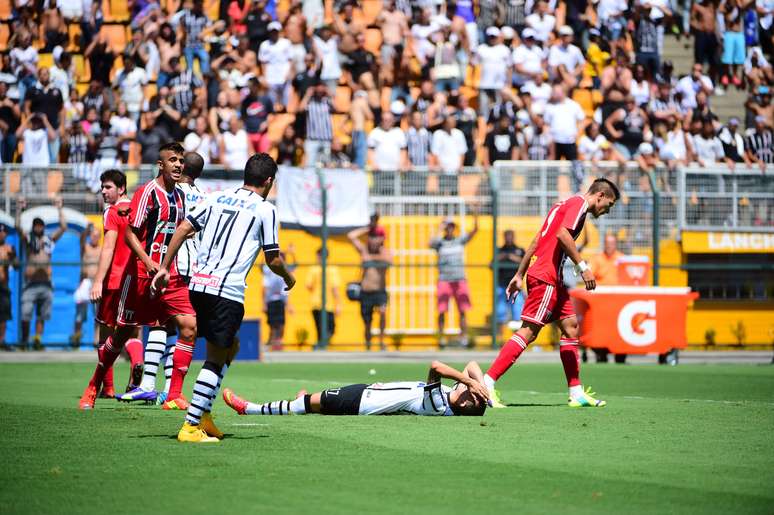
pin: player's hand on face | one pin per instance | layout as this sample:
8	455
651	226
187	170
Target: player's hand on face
159	282
96	292
514	288
588	278
478	390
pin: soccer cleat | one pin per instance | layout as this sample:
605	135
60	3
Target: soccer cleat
586	400
208	426
136	378
161	398
175	404
194	434
88	398
138	394
235	402
495	401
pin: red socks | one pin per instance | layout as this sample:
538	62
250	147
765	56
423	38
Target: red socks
181	360
507	356
134	349
568	351
107	355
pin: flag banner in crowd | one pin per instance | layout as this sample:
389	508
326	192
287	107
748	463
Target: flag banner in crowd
299	199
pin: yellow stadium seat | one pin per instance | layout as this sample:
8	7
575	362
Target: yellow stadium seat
73	36
5	10
373	42
343	99
116	35
82	69
132	178
82	88
5	34
585	98
45	60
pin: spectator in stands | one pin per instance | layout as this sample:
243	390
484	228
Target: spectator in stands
10	118
106	142
495	61
256	108
54	27
326	49
703	25
276	58
7	259
565	60
61	73
628	127
201	141
702	110
195	24
289	152
276	301
91	22
151	137
529	59
538	145
707	148
418	152
451	276
77	147
169	47
509	257
137	50
565	119
101	59
733	42
446	69
662	107
37	135
733	142
672	143
760	143
319	127
125	130
90	250
359	113
332	298
640	87
234	145
542	21
44	98
395	31
38	293
691	84
760	104
130	84
500	143
605	266
448	148
537	92
757	69
387	146
221	114
184	86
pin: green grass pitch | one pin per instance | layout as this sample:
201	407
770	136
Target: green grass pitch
686	439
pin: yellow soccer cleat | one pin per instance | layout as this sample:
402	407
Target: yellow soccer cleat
586	400
194	434
208	425
495	401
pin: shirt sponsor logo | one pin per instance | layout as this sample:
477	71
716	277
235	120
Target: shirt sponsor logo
206	280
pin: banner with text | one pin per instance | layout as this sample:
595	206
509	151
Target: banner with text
299	199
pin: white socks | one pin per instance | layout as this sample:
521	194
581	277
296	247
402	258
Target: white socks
204	390
298	406
217	386
489	382
576	391
154	350
269	408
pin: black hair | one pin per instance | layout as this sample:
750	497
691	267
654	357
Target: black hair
470	409
193	164
259	168
117	177
173	146
606	187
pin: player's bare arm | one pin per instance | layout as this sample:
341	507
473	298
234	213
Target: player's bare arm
134	243
568	245
184	231
516	284
277	265
439	370
62	223
105	260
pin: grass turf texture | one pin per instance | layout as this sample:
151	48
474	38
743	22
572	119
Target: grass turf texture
687	439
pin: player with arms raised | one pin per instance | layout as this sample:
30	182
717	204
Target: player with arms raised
548	300
235	225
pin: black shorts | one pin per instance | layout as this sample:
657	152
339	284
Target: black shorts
569	151
342	401
217	319
5	304
275	313
370	300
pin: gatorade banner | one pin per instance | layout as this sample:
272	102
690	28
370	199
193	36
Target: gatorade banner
299	199
633	319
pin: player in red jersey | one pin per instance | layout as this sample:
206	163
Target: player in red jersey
548	299
105	293
155	211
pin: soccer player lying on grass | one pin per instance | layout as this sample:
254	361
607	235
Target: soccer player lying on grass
468	397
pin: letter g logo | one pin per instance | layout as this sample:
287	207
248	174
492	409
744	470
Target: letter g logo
637	323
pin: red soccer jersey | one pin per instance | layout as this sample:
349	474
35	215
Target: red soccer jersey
112	221
156	214
549	256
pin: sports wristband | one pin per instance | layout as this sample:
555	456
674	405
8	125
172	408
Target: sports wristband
582	267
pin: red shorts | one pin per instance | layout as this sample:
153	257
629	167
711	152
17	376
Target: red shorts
107	312
546	303
259	141
456	289
136	306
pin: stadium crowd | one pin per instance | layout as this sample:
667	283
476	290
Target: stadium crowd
385	84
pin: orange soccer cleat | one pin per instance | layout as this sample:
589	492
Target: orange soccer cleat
88	398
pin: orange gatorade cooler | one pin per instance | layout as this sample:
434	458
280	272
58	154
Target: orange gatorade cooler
633	319
633	270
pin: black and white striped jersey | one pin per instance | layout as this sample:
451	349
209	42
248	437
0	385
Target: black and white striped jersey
406	398
234	226
186	256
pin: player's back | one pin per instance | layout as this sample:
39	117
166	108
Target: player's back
186	256
112	220
155	214
234	225
405	398
549	255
